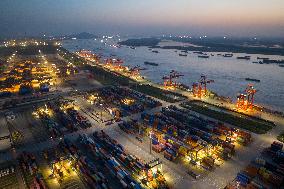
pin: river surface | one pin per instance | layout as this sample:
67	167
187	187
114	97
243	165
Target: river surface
228	73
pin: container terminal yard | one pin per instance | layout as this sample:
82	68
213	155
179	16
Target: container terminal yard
76	120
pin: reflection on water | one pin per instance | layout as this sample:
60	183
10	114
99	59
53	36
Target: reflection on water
229	73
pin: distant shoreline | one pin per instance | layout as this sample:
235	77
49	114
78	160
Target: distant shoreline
204	46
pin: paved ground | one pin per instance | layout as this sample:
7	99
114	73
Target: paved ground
176	174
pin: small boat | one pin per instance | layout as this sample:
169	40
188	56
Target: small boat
243	57
155	51
251	79
182	54
151	63
133	47
203	56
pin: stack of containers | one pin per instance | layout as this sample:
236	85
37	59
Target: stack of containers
28	162
65	120
170	152
52	126
243	178
127	127
264	173
38	183
91	174
243	137
78	118
228	147
113	164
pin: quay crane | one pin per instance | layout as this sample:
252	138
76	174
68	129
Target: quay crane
114	63
200	89
88	55
135	71
245	100
85	53
175	75
109	62
117	63
196	90
170	80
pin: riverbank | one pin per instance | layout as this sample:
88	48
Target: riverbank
228	73
241	120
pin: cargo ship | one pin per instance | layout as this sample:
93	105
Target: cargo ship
260	58
203	56
198	52
151	63
243	57
271	61
251	79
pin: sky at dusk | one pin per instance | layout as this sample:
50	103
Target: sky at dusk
143	17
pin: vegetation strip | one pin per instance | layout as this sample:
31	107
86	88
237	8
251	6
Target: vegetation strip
112	78
236	112
241	122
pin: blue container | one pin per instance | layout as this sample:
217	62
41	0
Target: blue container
155	142
170	131
159	127
5	94
172	152
242	178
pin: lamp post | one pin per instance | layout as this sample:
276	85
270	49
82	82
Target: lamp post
101	112
150	136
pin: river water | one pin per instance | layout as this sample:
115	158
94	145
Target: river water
228	73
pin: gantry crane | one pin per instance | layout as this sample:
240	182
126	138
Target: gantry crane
117	63
85	53
204	81
200	89
170	80
245	100
135	71
109	62
175	75
196	90
88	55
250	90
149	167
